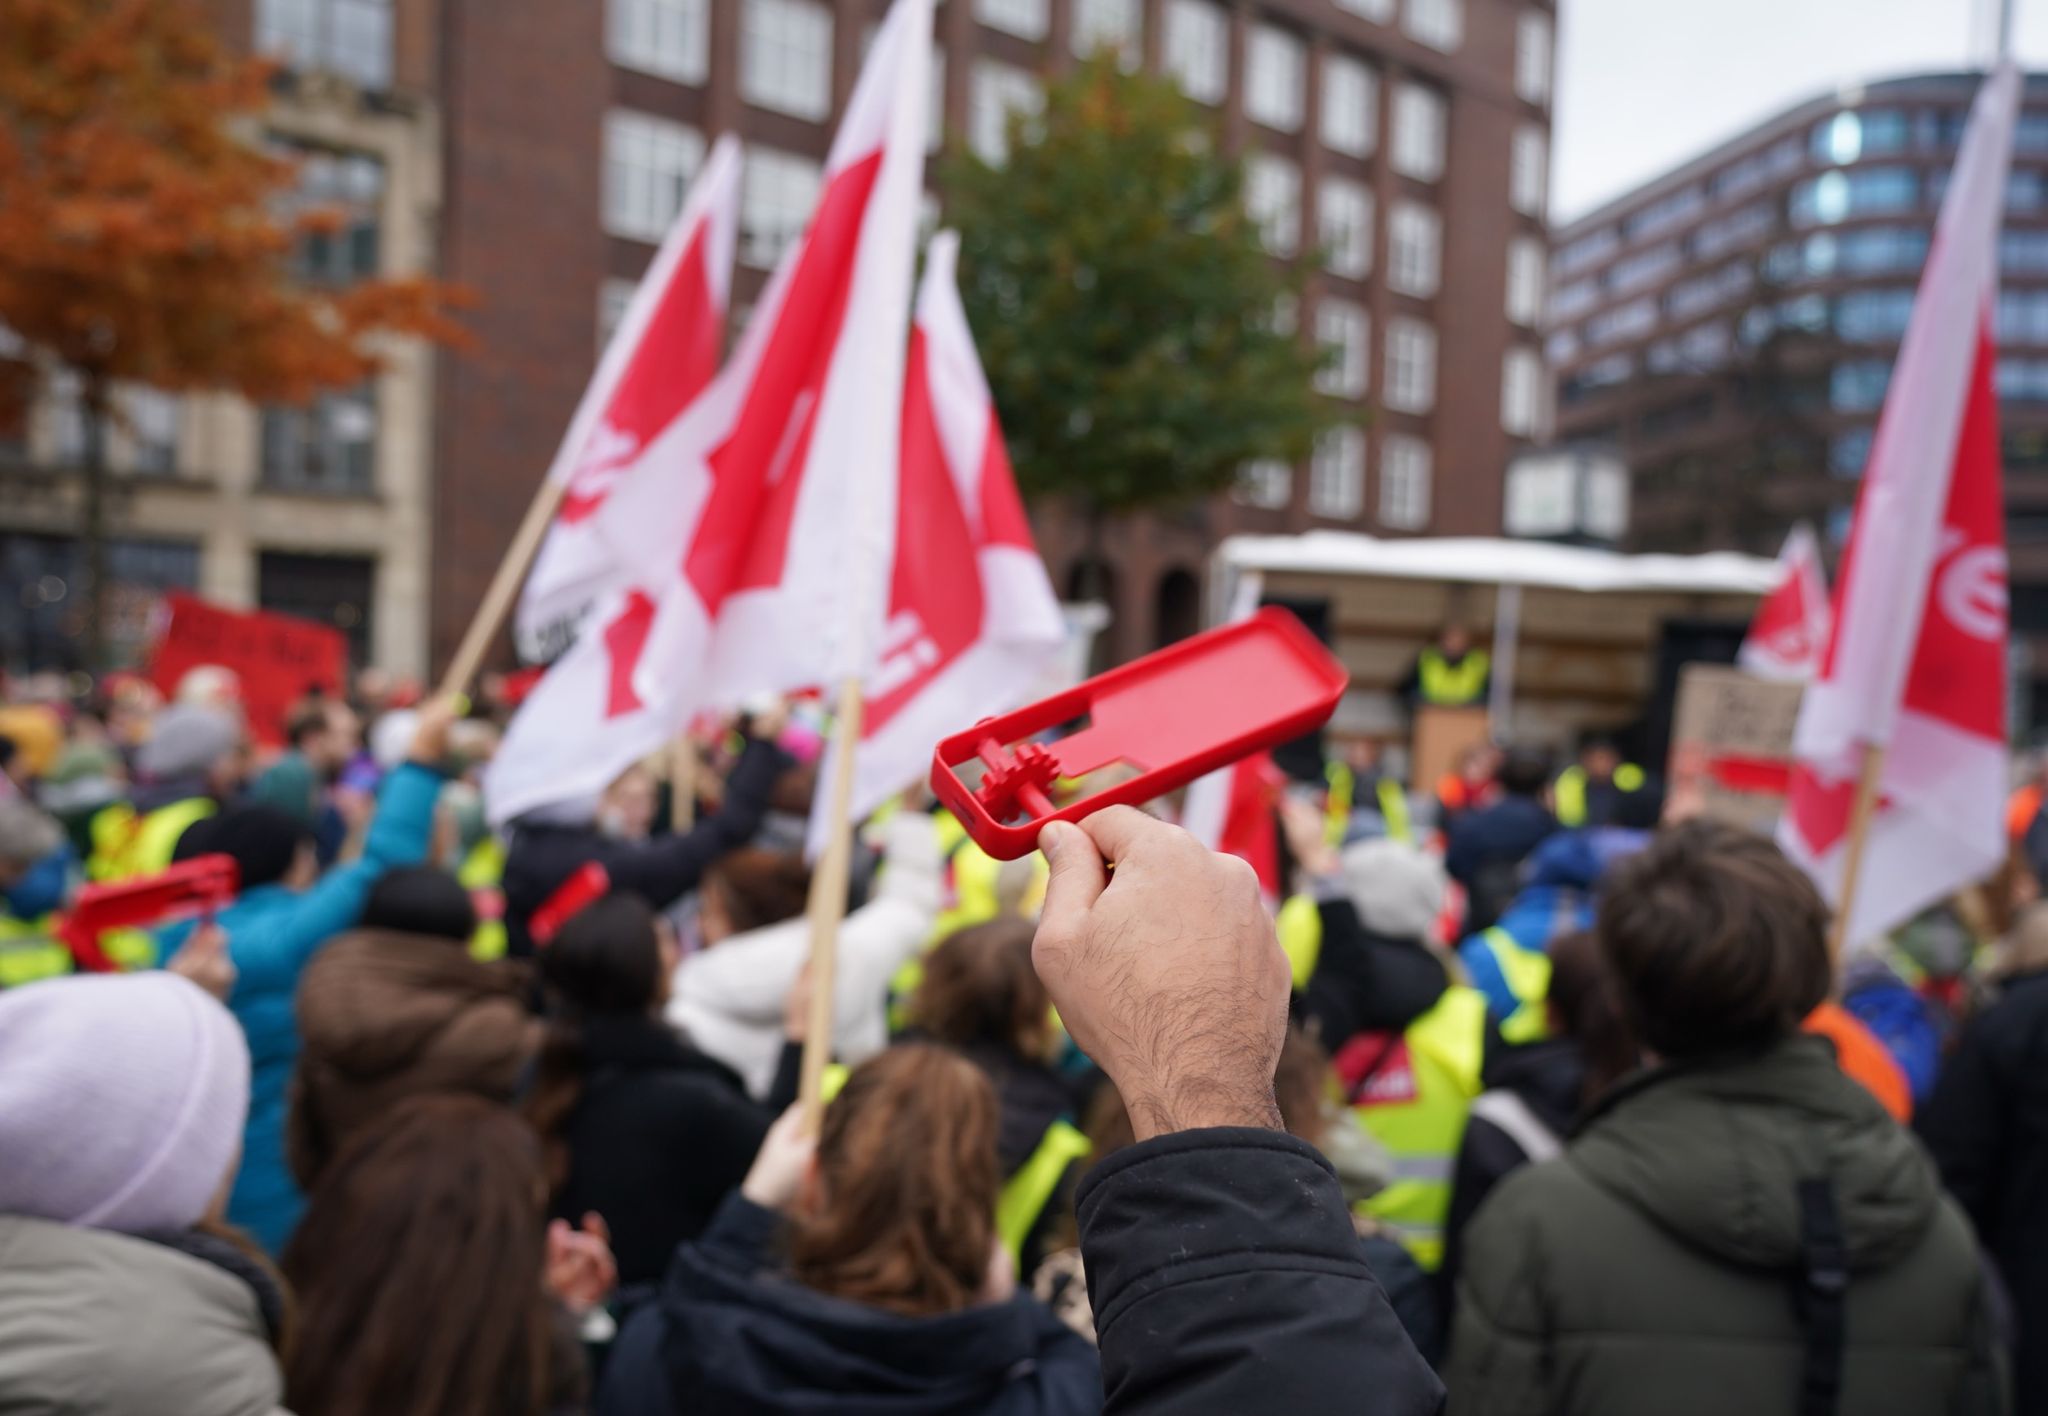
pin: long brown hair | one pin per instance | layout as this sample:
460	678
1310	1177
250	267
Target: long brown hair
979	989
418	1268
907	1165
1588	1010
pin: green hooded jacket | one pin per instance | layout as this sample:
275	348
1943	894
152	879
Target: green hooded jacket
1654	1267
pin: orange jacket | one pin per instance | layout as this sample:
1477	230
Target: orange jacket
1863	1057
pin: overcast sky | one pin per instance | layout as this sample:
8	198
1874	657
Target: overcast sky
1645	84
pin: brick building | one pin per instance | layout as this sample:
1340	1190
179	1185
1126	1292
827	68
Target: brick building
1406	140
1730	327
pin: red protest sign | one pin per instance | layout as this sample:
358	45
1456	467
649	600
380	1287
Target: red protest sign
278	658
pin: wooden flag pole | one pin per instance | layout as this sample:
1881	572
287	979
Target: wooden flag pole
1869	779
828	902
682	783
505	581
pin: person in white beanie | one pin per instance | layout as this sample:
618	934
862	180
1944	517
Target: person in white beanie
122	1101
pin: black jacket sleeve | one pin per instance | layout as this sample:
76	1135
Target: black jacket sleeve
1226	1277
1365	981
665	868
1963	1123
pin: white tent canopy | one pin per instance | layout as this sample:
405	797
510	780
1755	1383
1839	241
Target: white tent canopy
1482	560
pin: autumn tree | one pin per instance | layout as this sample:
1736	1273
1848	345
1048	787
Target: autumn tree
143	235
1128	315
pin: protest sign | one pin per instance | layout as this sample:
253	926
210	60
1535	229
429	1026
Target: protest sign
278	658
1731	744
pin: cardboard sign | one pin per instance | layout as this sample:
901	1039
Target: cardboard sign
1731	744
278	658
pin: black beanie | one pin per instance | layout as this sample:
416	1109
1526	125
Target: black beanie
262	840
420	899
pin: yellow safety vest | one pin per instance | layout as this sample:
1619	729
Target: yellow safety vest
483	869
1423	1126
977	898
125	845
1387	794
30	951
1300	927
1527	973
1449	685
1570	790
1025	1195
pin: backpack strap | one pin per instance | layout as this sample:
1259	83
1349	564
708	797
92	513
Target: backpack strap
1823	1285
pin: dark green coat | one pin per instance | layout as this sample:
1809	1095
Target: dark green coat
1651	1269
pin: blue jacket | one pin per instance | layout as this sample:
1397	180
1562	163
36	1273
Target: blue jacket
273	933
1559	896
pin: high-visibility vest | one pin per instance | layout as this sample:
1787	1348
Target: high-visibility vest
125	844
1415	1102
1387	794
1525	973
1300	927
30	951
1448	685
1025	1194
976	879
1570	790
482	873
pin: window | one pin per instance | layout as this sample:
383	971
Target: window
1600	374
1851	136
1568	302
152	429
1862	191
64	402
351	185
1027	19
612	298
332	590
1411	367
2023	252
1336	475
1645	267
1630	321
1342	329
1418	133
1380	12
1529	170
1350	105
1849	451
648	163
1672	210
1113	24
351	38
1532	56
670	38
2022	316
777	191
1438	23
327	446
1525	280
1268	482
1272	194
1857	385
1866	315
1701	293
1588	251
1276	68
1404	483
1742	227
994	92
786	57
1344	213
2023	380
1521	392
1414	250
1198	49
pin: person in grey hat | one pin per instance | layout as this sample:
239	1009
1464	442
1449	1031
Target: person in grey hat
195	761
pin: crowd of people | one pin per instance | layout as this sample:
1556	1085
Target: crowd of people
1532	1093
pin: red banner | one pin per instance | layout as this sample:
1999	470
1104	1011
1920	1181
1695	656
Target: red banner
278	658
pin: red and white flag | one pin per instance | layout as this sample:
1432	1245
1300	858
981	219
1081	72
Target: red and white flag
761	565
1790	631
1916	664
662	355
973	623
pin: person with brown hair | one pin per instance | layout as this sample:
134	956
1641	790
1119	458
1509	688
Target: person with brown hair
1740	1194
638	1125
893	1291
979	996
419	1268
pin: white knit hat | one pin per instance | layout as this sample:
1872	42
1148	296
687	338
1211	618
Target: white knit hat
1398	891
122	1100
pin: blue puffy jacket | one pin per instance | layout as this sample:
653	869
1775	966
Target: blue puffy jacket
273	933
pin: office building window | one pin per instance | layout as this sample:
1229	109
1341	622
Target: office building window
330	445
1268	482
351	38
1342	329
1630	321
1350	105
1272	194
1849	451
2021	380
786	57
334	590
1380	12
648	163
1418	133
994	92
777	191
349	185
1529	170
1645	267
1521	392
1860	191
669	38
2023	252
1858	385
1113	24
152	429
64	410
1415	237
1881	315
1410	381
1344	218
1404	483
1440	24
1525	280
1336	475
1027	19
1276	68
1532	56
1198	48
2022	315
612	298
1742	227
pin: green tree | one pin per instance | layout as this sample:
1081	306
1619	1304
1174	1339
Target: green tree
1124	307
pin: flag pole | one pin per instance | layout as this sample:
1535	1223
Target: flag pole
682	782
1869	778
828	901
505	582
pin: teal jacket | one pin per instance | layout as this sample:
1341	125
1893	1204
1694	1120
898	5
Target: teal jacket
273	933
